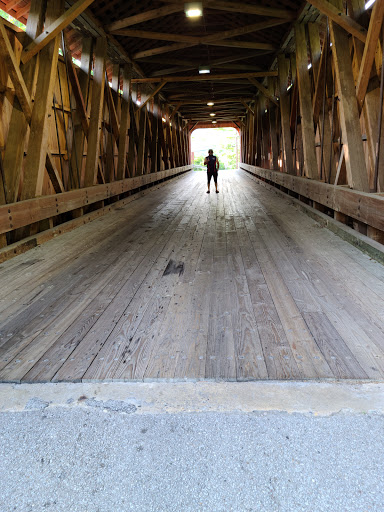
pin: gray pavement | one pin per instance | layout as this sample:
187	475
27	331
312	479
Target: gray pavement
90	453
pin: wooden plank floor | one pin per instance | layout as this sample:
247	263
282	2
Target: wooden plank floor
180	284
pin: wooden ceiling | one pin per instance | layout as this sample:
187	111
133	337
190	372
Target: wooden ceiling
230	37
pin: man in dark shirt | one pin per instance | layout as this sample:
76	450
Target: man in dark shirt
212	163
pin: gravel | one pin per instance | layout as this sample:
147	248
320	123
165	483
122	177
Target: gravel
107	459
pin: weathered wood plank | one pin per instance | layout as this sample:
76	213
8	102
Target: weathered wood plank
97	103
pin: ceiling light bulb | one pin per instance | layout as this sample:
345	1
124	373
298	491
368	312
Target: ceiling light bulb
210	104
163	119
193	9
204	69
214	122
212	114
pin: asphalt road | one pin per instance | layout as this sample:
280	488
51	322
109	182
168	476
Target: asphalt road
106	457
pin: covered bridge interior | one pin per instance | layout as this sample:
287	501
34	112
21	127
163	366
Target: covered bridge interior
116	264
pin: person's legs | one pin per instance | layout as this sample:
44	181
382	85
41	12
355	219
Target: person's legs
215	180
209	175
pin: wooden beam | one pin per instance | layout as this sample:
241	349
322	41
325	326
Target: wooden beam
163	36
319	64
81	110
247	107
231	43
304	84
224	42
21	90
115	125
218	101
344	21
161	49
369	50
83	78
18	126
125	122
97	103
54	29
34	167
175	110
141	142
145	16
205	78
54	174
260	10
368	208
349	114
283	67
151	95
264	91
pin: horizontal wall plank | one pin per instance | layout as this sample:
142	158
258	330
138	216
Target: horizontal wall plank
23	213
365	207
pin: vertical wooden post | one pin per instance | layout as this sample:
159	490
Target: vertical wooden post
97	103
273	126
168	138
349	114
141	141
112	103
14	150
125	122
310	161
155	147
314	43
34	168
283	70
77	158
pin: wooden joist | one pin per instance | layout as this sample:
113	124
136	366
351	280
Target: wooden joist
205	78
145	16
54	29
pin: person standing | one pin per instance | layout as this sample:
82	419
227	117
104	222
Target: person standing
212	163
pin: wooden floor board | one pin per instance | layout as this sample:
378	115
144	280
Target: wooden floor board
181	284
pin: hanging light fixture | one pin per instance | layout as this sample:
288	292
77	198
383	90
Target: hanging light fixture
212	114
210	104
214	122
204	69
193	9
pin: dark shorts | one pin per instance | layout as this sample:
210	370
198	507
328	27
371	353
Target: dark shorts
210	174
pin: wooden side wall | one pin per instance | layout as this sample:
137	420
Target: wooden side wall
326	127
65	128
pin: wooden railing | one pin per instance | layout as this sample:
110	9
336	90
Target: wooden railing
85	205
365	211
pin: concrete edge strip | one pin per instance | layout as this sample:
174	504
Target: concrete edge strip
314	398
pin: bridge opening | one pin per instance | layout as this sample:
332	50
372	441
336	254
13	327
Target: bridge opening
225	143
